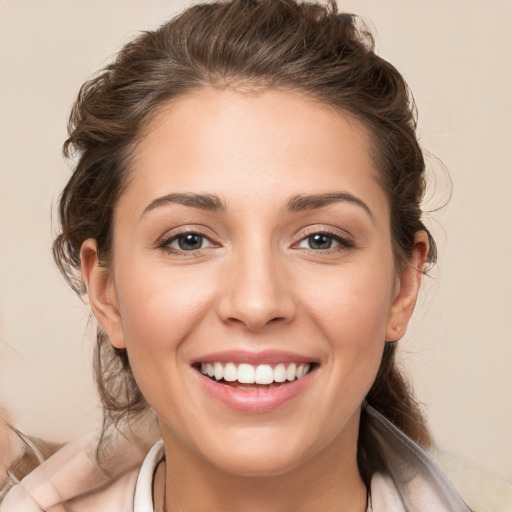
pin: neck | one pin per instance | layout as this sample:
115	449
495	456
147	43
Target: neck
330	481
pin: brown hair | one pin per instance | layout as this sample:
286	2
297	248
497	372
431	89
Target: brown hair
326	55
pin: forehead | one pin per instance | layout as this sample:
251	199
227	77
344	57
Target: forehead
240	145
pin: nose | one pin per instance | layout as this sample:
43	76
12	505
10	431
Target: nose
256	292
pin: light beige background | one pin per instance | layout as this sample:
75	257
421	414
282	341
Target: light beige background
456	56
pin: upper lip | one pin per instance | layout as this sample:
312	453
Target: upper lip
255	358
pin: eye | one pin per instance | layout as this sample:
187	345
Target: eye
324	242
186	242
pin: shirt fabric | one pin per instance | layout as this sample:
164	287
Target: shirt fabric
71	481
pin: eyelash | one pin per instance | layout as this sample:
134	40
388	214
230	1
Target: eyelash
344	242
165	244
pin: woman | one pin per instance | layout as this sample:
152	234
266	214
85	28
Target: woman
244	216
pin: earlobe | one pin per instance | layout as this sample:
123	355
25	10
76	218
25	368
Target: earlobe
102	293
407	288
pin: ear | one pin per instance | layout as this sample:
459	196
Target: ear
407	288
102	293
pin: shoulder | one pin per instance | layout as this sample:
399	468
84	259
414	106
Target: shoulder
481	490
415	478
114	496
72	480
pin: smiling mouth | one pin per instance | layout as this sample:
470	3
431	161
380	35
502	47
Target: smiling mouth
248	376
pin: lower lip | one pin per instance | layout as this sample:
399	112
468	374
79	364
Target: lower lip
256	400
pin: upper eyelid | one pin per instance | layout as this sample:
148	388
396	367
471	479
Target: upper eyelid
164	241
314	229
341	236
188	229
298	237
341	240
184	233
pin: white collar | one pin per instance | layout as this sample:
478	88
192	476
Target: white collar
413	478
143	496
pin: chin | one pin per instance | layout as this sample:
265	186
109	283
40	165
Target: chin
265	451
260	464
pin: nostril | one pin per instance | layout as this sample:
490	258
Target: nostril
256	299
254	322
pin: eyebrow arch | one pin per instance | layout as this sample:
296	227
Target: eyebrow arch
207	202
310	202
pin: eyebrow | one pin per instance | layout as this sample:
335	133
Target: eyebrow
310	202
212	203
207	202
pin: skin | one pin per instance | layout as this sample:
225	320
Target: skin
256	283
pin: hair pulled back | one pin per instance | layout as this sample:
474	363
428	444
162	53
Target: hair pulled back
313	49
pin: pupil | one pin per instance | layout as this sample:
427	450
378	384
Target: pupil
190	242
320	242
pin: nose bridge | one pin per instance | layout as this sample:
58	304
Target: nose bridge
257	292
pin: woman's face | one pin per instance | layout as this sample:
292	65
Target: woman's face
253	237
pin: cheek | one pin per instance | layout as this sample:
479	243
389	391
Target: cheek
159	311
352	305
159	308
351	310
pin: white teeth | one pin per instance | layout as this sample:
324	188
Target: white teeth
280	373
219	371
245	374
302	370
290	372
230	372
261	374
264	374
